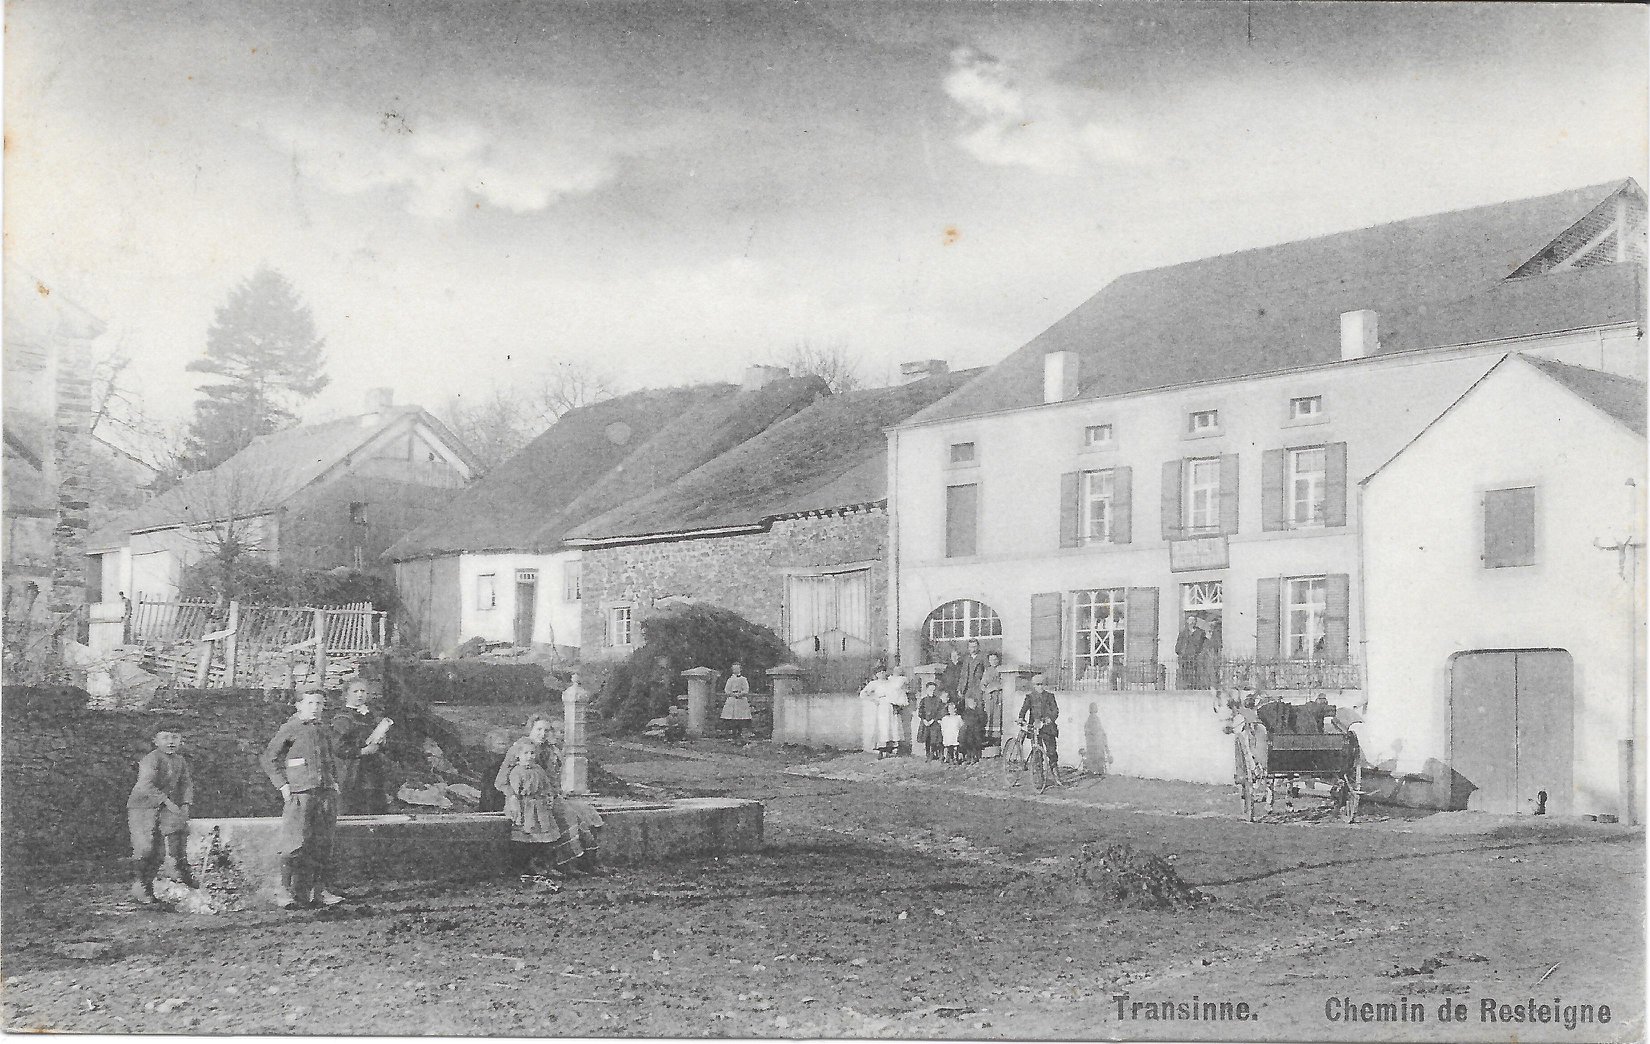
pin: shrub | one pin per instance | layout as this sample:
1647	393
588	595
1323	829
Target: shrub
675	640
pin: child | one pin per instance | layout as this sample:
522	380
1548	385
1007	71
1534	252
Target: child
736	710
973	732
529	802
676	723
157	814
929	711
951	726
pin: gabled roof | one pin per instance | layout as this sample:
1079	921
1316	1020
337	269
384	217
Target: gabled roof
831	455
267	473
1620	398
1435	280
600	456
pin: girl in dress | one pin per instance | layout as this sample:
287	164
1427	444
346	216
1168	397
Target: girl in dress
574	847
951	727
530	803
736	709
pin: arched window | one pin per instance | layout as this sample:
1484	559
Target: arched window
961	620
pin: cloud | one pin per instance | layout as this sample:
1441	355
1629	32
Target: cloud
435	166
1013	119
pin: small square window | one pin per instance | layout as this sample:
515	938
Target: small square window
1201	421
572	581
618	626
358	513
1305	406
486	591
962	453
1097	435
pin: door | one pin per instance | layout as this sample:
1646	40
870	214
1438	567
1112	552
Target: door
527	597
1512	728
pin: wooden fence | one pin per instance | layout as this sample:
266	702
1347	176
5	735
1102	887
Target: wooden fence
254	645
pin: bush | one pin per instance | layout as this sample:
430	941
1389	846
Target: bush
257	582
675	640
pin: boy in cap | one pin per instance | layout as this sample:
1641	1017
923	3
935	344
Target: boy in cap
360	765
302	762
157	813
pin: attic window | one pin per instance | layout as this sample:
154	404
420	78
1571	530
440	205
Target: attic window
358	513
1097	435
1203	422
1304	406
962	453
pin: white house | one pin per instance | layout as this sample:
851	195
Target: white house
1187	445
1505	591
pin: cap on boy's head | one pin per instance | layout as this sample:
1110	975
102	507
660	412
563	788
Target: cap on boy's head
1036	679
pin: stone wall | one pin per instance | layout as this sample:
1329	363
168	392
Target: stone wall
66	771
745	573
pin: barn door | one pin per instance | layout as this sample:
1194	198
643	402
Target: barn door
1511	727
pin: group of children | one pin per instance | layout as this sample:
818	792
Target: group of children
953	728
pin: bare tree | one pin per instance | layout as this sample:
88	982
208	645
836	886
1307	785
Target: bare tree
227	525
829	360
497	425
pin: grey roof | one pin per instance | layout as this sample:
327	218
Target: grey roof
1619	397
1435	280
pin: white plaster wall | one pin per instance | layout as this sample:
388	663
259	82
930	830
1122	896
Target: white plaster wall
1153	735
554	620
1430	597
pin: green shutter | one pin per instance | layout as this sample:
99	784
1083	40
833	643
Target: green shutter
1046	627
1274	498
1173	529
1122	505
1268	639
1228	493
1336	608
1334	484
1140	625
1071	491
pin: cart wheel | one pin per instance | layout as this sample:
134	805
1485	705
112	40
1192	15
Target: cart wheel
1039	768
1352	782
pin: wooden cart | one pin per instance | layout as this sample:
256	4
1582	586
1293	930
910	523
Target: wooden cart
1267	761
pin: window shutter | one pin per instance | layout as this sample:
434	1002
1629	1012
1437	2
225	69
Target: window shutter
961	507
1140	625
1172	496
1228	493
1336	634
1122	505
1268	639
1334	484
1274	498
1046	623
1509	527
1071	491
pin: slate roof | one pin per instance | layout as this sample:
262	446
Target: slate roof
598	457
265	475
830	455
1434	280
1619	397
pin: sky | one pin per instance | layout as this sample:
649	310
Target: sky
467	194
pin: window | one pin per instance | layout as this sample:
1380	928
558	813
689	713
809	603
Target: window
1097	435
1202	494
1304	615
1509	527
829	613
961	510
1304	407
571	578
618	626
1202	422
1097	630
1307	469
1096	506
962	453
486	591
964	619
358	513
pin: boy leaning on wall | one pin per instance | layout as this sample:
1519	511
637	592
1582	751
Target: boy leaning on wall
157	813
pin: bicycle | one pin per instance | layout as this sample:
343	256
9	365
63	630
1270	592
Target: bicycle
1025	753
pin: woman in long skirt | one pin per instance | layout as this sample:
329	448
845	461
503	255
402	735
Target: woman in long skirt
736	709
887	696
574	843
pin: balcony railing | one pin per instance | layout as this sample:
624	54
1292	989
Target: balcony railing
1223	674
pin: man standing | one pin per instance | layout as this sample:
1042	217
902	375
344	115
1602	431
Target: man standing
302	762
973	671
1188	649
157	813
360	766
1041	708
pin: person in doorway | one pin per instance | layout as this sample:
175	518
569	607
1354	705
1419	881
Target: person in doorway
302	762
360	765
157	815
736	708
1208	657
991	686
951	728
973	731
1040	708
1187	649
930	709
951	674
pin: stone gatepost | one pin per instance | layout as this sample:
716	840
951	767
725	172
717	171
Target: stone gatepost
575	764
699	678
1016	679
790	721
925	673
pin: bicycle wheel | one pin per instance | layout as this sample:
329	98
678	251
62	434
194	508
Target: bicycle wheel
1010	755
1037	760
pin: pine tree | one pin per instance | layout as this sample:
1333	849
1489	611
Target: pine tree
263	345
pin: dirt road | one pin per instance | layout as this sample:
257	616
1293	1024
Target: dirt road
897	910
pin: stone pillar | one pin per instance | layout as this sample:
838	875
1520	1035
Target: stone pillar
925	673
575	761
790	720
698	700
1016	683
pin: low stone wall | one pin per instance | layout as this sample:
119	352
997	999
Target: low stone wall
66	771
821	719
1153	735
470	681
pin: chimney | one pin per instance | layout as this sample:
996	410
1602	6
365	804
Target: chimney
1059	376
758	376
377	403
921	369
1360	335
